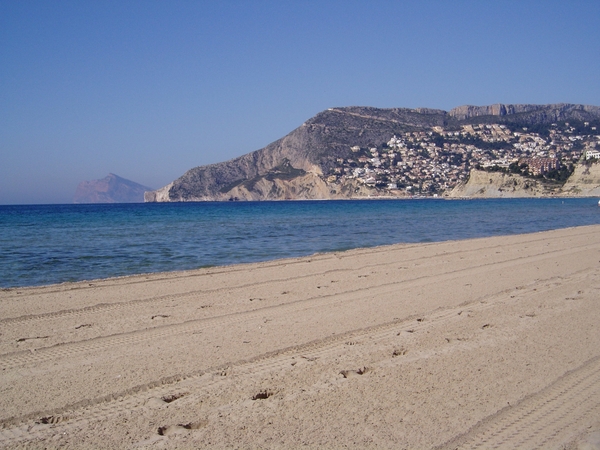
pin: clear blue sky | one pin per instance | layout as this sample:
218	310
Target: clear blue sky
149	89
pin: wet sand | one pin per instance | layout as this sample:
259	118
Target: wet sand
481	343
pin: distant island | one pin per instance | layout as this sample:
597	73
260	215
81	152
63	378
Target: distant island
363	152
112	189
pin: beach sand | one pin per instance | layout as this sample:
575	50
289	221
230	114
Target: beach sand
487	343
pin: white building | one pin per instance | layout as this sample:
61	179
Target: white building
589	154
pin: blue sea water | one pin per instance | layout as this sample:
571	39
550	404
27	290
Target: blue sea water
46	244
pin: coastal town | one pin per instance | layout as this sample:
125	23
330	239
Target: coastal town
432	162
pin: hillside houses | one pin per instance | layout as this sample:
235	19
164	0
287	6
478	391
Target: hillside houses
434	161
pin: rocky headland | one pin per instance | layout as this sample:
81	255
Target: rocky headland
363	152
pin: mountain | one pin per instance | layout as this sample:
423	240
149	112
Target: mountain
324	157
112	189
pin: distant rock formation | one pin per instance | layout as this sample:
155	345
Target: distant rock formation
112	189
299	165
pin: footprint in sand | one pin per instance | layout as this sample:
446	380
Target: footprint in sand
352	373
52	419
399	352
182	427
156	402
263	395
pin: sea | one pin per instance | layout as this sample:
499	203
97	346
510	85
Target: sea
48	244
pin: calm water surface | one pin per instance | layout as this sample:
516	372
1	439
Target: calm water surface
45	244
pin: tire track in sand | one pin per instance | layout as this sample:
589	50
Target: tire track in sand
27	357
543	420
105	307
44	424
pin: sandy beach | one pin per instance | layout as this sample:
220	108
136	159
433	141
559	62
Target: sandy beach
484	343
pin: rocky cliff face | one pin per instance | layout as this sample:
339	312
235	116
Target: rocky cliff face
584	182
303	187
468	111
533	114
483	184
293	166
112	189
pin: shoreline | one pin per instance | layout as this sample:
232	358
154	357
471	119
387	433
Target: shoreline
417	197
183	272
412	345
135	241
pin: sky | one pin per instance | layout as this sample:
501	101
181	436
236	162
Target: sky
150	89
